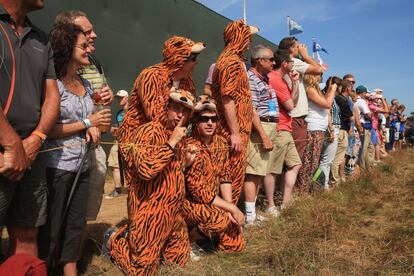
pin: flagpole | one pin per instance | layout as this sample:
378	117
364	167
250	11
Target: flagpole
288	19
313	41
244	12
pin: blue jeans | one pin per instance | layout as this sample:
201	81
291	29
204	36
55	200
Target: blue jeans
390	144
328	155
351	145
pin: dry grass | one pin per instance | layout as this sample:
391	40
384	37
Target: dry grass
364	227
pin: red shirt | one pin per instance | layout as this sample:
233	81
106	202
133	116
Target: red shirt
283	93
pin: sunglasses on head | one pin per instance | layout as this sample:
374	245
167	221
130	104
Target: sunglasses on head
205	119
192	57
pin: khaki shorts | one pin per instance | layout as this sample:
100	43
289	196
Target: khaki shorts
257	158
286	153
113	157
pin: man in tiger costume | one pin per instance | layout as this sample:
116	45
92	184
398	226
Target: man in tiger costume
149	96
156	226
206	212
234	104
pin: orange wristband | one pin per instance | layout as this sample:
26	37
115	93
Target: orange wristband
39	134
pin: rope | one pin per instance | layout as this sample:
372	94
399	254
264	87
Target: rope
134	146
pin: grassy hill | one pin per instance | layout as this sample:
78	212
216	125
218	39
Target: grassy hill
363	227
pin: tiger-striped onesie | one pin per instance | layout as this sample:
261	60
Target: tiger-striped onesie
148	102
230	79
149	96
209	169
156	225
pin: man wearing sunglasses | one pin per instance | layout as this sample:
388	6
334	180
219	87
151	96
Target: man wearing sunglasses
287	159
207	213
265	119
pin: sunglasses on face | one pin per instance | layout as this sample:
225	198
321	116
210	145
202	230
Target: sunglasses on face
82	46
289	61
205	119
269	59
192	57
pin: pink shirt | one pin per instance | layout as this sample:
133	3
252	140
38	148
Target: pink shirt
375	118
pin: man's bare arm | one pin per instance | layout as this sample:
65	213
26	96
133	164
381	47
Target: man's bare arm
13	159
49	114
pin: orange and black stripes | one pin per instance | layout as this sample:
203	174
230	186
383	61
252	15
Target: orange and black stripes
149	96
203	178
230	79
155	197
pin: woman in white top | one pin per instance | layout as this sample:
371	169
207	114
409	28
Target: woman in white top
317	119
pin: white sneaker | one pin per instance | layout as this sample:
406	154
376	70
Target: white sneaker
273	211
261	218
256	221
196	252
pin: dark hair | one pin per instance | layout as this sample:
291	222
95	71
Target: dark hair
335	79
344	85
287	42
63	39
280	56
68	17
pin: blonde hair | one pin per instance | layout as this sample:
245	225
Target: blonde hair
312	81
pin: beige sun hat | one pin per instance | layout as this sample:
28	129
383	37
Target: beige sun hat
205	102
182	97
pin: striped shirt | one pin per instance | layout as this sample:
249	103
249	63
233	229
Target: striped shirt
263	95
93	73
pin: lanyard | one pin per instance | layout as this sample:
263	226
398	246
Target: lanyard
11	91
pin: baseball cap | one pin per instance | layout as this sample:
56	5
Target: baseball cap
378	90
361	89
122	93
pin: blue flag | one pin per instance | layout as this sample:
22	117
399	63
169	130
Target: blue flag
317	47
294	27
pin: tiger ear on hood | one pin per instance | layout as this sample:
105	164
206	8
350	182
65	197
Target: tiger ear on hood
254	30
237	36
198	48
177	49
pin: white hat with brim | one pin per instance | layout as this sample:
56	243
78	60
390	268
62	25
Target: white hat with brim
122	93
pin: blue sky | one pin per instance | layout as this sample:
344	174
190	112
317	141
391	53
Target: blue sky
372	39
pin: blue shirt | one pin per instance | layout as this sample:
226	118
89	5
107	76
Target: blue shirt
73	109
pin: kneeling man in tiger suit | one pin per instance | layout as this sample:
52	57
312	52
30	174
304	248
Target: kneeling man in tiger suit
206	212
156	225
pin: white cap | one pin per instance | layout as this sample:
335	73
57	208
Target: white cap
122	93
378	90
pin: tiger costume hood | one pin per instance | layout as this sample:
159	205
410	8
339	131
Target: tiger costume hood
178	49
237	36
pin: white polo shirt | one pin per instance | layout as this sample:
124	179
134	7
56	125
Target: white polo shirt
362	106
